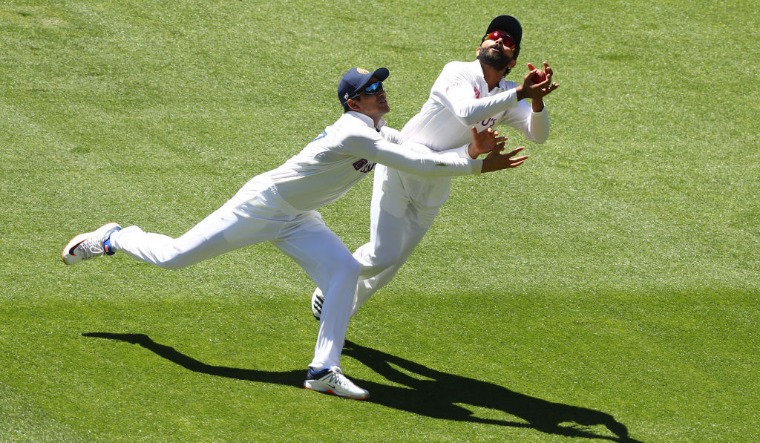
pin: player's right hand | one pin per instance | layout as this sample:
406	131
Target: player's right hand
533	89
495	161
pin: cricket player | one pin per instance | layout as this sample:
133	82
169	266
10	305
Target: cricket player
465	96
280	206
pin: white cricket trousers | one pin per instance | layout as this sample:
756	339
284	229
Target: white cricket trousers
255	215
403	209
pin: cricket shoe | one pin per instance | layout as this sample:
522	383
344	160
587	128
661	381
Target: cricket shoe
332	381
90	245
317	300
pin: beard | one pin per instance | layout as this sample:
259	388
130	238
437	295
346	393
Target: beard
495	59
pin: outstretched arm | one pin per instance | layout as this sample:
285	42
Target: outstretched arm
470	110
431	163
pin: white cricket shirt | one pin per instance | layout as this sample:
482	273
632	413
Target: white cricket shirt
460	100
344	153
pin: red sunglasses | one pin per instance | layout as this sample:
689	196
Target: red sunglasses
507	39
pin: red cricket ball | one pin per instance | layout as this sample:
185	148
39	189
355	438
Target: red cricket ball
538	76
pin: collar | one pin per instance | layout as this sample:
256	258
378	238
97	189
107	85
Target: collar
478	70
365	119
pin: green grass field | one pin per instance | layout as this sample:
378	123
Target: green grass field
607	290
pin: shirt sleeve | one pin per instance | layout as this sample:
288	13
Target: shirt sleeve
461	151
392	135
409	158
457	94
535	125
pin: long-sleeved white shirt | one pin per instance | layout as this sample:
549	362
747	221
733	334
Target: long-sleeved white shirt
344	153
460	100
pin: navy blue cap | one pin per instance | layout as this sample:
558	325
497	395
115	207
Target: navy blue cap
508	24
355	80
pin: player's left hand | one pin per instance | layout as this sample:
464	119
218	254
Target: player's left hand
484	142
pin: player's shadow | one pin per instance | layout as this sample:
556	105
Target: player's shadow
439	394
420	390
289	378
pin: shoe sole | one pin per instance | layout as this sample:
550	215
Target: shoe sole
331	392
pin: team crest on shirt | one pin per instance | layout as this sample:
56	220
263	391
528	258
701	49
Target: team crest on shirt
363	165
477	92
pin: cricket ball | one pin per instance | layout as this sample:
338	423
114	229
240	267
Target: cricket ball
538	76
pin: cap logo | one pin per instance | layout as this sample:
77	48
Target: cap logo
362	71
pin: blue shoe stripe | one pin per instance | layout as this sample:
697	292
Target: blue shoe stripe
107	248
316	375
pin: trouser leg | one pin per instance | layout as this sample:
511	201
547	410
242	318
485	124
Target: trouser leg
381	260
331	266
222	231
397	226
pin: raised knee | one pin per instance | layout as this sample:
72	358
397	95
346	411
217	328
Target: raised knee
383	261
349	265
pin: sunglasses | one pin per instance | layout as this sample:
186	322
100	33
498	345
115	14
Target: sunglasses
371	89
507	39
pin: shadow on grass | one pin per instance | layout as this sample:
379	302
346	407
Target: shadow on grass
424	391
439	395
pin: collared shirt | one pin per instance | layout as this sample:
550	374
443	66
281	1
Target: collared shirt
460	100
345	153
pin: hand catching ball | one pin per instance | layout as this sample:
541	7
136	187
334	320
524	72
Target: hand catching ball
538	76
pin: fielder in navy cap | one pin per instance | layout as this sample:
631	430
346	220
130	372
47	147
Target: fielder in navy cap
354	80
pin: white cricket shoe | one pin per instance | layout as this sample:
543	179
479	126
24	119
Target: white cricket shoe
317	300
90	245
332	381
